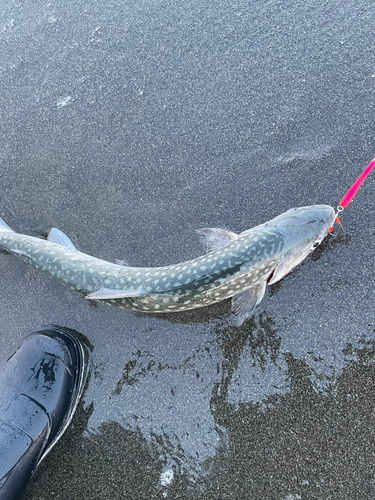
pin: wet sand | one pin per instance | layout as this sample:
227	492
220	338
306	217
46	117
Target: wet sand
130	125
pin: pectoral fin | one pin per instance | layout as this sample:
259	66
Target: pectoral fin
280	271
108	293
57	236
284	267
244	303
214	238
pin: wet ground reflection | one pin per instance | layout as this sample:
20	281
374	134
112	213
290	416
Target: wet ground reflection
256	344
299	441
306	442
111	451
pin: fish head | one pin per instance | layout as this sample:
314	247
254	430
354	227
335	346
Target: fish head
303	230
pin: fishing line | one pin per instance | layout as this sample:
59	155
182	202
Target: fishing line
347	198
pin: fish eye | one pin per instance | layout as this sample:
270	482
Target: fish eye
316	244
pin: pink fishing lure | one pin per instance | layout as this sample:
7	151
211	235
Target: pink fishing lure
347	198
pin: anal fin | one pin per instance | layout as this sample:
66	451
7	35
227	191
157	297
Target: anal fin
108	293
19	251
121	263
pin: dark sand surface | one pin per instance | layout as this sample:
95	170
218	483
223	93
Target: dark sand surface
128	125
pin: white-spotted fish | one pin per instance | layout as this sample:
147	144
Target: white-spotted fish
237	266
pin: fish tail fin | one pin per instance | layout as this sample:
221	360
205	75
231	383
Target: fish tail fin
4	226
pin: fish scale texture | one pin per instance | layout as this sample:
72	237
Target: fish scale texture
200	282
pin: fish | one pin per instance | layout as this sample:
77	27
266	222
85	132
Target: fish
236	266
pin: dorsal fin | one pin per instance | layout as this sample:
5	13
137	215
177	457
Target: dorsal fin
60	238
4	226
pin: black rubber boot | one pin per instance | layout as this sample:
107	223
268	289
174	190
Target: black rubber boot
40	386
